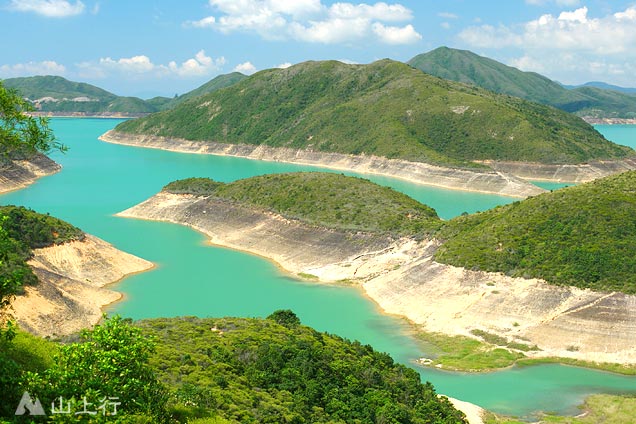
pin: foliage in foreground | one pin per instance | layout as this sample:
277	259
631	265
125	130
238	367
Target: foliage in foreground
22	136
109	365
324	199
582	236
229	370
259	371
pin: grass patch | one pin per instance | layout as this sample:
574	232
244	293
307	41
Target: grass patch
307	276
467	354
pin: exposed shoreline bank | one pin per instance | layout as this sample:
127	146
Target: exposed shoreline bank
481	181
71	292
401	276
19	174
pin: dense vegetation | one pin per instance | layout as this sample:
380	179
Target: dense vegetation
228	370
467	67
260	371
582	236
324	199
22	230
385	109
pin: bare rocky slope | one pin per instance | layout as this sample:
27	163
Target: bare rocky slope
402	277
70	292
483	180
17	174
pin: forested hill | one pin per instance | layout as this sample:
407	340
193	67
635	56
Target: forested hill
324	199
467	67
582	236
385	109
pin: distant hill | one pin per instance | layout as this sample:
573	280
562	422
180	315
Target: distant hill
604	86
57	94
582	236
467	67
385	109
214	84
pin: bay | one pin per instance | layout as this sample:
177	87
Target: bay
193	278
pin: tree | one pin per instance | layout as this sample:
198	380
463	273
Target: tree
110	362
285	317
22	135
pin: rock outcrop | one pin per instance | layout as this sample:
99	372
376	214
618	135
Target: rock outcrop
18	174
70	292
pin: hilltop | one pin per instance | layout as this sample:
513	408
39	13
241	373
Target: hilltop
597	101
211	86
383	109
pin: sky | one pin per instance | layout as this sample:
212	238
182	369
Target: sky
166	47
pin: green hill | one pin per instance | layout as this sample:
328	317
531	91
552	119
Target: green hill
211	86
467	67
57	94
324	199
582	236
385	109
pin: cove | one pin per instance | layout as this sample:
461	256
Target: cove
192	278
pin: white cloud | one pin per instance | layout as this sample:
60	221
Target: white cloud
573	46
245	68
48	8
571	31
311	21
445	25
141	66
284	65
47	67
396	35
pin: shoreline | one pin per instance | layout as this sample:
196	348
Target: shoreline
20	174
72	289
486	181
401	276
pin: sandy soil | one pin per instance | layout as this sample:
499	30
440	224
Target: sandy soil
70	293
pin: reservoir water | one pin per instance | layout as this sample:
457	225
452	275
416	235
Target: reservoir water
192	278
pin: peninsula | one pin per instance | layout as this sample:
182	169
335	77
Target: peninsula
447	277
56	273
385	118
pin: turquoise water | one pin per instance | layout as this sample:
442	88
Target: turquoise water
621	134
192	278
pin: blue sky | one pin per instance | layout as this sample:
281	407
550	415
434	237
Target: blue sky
165	47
